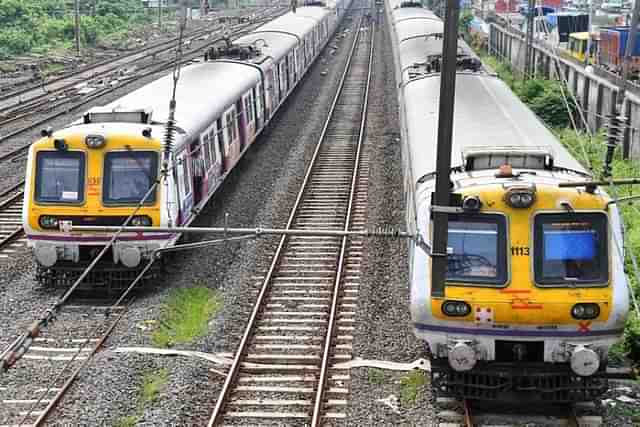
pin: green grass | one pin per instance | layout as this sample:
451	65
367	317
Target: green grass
376	376
153	383
411	385
185	316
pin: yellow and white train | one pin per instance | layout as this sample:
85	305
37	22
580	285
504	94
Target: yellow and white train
535	291
97	170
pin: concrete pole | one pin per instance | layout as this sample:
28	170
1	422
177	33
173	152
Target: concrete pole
77	26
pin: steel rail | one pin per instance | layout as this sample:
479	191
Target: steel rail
6	203
468	420
324	368
235	366
152	50
158	68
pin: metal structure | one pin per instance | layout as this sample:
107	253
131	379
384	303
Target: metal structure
301	320
445	132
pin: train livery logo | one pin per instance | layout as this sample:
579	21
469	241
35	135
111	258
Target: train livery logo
584	326
484	315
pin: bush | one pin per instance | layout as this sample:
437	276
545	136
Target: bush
54	22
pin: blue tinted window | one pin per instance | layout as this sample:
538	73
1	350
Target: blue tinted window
571	249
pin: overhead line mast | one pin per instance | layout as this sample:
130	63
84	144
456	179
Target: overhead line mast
443	161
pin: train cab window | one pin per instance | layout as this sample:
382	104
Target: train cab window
128	175
476	249
571	249
60	177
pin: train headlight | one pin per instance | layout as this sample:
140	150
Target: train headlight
95	141
48	221
456	308
141	221
520	198
585	311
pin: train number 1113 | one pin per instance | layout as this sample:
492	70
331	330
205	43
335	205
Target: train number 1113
519	251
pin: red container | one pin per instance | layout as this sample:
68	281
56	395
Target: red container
610	48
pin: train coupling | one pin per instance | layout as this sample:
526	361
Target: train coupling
130	255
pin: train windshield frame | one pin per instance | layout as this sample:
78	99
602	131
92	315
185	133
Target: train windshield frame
477	250
128	175
571	249
60	177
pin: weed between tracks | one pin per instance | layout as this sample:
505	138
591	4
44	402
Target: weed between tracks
185	316
411	385
153	383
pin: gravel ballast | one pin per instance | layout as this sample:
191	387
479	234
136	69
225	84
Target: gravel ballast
260	191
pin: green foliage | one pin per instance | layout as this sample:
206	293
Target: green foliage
153	383
185	316
376	376
29	24
631	341
411	385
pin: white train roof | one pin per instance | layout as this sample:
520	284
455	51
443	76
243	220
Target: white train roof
283	33
204	92
487	113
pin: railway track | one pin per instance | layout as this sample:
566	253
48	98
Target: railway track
465	413
30	393
11	151
304	316
28	91
11	231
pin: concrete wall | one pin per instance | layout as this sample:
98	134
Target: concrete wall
596	92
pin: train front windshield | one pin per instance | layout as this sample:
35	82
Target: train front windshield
571	249
128	175
476	249
59	177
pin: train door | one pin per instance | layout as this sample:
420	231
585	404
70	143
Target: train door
296	67
268	94
276	86
291	67
282	72
231	137
223	146
249	110
185	199
241	122
257	96
197	171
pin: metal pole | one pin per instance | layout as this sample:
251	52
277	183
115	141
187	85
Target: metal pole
626	64
587	57
77	25
443	160
159	14
529	39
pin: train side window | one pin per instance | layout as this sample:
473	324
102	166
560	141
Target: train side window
571	249
60	177
476	249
